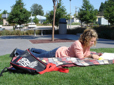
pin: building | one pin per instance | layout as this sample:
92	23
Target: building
4	16
40	18
73	20
101	20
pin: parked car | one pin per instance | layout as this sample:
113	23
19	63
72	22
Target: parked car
19	26
2	29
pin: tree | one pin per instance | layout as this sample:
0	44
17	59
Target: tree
87	13
5	12
60	13
19	15
49	17
102	7
37	9
54	12
1	19
35	20
109	11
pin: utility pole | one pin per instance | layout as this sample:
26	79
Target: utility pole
70	14
76	10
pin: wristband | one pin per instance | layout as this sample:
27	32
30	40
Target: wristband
91	55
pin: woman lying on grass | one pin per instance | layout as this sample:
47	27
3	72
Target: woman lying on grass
79	49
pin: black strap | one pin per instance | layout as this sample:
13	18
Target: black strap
3	71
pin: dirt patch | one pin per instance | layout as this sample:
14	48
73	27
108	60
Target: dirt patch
50	41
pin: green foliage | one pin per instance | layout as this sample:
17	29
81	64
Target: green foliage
46	22
75	30
18	32
87	13
60	13
5	12
90	75
102	7
5	32
105	32
1	19
75	23
49	17
19	15
112	34
35	20
109	11
37	10
29	32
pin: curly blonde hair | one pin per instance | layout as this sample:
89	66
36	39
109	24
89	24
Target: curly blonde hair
87	35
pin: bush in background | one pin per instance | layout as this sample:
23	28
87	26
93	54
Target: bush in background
75	23
106	32
5	32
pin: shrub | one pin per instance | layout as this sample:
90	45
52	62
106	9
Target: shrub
112	35
104	31
18	32
29	32
75	30
5	32
37	32
76	23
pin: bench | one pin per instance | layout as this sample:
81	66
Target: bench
41	29
31	26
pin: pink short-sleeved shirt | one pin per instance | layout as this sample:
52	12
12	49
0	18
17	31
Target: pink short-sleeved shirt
75	50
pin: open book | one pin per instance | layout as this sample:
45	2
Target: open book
109	56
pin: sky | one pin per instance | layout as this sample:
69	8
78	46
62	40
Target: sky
48	4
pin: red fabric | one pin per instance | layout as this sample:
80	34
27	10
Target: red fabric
52	67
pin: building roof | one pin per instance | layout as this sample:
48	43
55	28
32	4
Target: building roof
5	16
39	17
101	14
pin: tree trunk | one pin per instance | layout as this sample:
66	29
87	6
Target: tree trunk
53	25
55	7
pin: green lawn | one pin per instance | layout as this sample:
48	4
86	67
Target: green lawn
91	75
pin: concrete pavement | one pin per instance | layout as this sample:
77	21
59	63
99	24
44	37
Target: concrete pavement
8	43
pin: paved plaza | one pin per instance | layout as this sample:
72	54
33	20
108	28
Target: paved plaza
8	43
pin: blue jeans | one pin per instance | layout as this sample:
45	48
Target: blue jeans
39	52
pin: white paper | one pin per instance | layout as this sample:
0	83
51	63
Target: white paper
109	56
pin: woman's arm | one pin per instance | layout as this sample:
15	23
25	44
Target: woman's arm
92	56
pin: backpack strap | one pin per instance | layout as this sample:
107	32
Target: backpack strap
52	67
4	70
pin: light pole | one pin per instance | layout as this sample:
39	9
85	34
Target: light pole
70	14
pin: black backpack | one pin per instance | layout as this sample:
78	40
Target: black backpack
27	63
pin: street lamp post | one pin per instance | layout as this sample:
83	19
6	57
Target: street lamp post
70	14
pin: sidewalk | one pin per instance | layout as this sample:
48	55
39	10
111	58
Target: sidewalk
8	43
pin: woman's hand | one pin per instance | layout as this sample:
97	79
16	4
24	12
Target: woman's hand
95	56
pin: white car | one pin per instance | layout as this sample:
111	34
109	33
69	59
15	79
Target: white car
2	29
